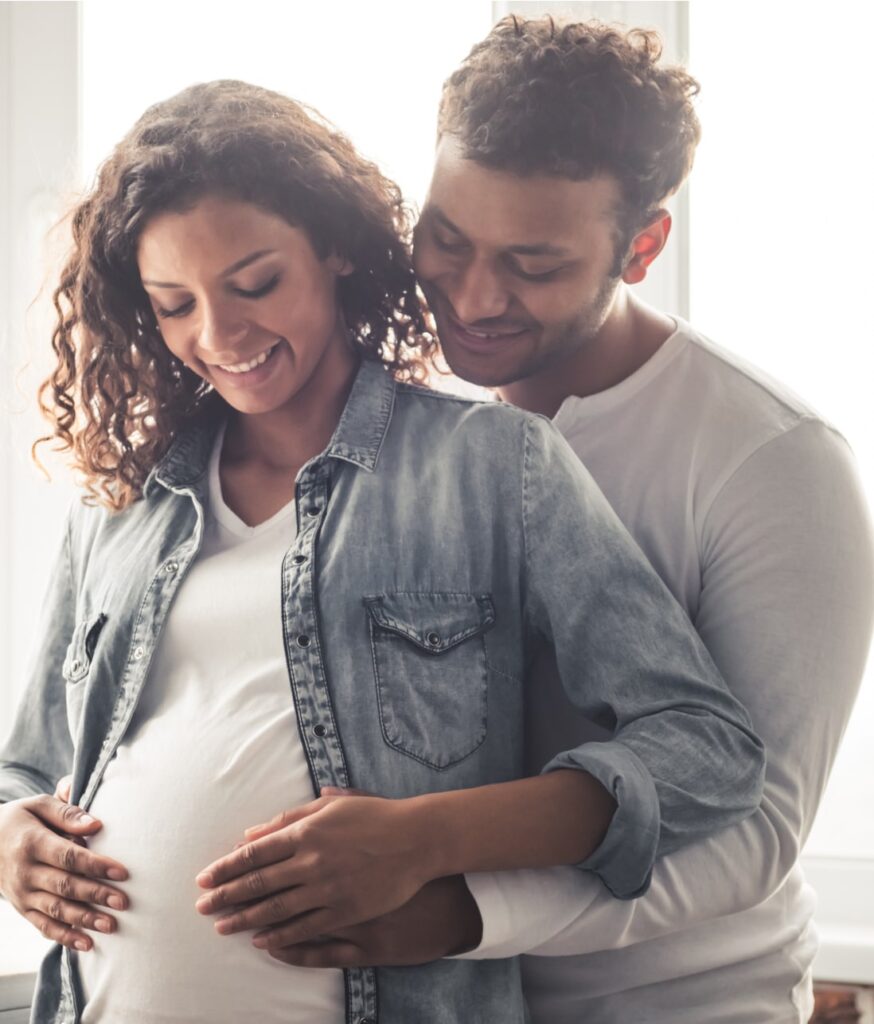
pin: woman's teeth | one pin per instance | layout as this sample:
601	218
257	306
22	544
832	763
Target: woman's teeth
245	367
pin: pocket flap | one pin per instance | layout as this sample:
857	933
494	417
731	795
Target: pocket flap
433	621
78	658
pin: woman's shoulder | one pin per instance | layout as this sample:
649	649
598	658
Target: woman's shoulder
479	410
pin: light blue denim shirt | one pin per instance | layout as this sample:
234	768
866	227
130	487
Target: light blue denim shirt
441	544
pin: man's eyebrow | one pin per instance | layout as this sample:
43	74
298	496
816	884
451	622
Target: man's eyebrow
232	269
539	249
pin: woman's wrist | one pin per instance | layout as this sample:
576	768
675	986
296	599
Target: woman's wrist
557	818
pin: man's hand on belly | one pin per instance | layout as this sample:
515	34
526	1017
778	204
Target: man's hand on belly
49	877
331	864
442	919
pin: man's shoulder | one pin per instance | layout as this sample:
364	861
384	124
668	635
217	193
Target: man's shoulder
738	415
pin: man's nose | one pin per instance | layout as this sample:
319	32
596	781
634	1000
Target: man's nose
479	293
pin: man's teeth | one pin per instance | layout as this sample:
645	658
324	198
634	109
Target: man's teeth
245	367
490	334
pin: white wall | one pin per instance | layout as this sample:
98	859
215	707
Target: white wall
39	133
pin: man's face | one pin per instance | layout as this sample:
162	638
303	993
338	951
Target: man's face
516	270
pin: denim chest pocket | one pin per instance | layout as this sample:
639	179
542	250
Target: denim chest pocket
77	665
429	660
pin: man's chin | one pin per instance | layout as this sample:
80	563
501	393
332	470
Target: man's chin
482	372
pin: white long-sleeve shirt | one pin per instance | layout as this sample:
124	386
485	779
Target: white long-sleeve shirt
749	506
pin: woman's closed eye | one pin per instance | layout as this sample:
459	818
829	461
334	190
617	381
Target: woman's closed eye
254	293
261	291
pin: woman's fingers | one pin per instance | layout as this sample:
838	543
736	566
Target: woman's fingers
73	887
62	816
284	818
74	915
248	888
56	851
58	932
62	790
249	858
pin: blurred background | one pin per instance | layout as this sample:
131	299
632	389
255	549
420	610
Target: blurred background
768	255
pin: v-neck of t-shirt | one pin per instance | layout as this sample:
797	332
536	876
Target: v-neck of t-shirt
221	511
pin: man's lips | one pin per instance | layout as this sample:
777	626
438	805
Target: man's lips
484	335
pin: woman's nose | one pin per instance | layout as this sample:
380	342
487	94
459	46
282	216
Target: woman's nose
221	332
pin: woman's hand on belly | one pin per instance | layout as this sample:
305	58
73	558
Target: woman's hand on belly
336	862
49	877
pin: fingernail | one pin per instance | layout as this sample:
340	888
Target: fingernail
82	945
202	903
116	874
224	926
204	879
86	819
103	924
116	902
260	942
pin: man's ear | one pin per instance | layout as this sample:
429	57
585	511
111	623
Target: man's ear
340	265
645	246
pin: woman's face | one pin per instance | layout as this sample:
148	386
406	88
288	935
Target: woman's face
244	301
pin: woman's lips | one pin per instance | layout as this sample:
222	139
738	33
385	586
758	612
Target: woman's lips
253	377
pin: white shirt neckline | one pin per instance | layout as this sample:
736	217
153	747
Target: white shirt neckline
223	514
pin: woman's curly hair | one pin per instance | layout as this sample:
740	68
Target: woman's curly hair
117	396
577	100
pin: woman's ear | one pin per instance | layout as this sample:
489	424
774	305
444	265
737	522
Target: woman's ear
340	265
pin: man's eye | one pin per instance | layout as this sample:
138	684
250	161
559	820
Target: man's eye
264	289
186	307
540	275
447	244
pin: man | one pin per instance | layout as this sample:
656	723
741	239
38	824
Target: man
558	147
557	150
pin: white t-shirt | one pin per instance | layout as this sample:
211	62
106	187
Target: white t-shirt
749	507
212	749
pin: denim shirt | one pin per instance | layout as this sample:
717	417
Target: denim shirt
441	545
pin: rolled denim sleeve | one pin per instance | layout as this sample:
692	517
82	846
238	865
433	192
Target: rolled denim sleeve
683	760
39	749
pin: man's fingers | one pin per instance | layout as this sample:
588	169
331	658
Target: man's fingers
73	887
77	860
249	857
320	954
303	929
62	816
58	932
280	906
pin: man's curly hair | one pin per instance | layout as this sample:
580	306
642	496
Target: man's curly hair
576	101
117	396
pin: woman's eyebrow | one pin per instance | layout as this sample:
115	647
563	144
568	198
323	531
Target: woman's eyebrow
232	269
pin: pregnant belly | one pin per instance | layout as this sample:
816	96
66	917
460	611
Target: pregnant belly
166	815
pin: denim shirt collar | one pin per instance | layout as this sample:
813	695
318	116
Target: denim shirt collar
358	437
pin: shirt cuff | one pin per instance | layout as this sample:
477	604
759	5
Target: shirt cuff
625	858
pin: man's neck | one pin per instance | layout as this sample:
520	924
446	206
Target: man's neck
632	333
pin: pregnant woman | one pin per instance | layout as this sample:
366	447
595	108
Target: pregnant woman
298	569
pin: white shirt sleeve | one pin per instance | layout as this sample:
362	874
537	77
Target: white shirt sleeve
786	612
